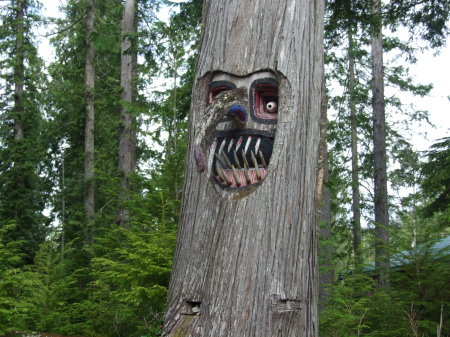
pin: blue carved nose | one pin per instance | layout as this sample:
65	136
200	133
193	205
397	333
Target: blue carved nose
238	114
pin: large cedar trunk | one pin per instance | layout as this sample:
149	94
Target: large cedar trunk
245	262
379	151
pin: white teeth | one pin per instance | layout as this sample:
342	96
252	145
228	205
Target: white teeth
230	145
261	157
224	164
220	160
249	139
246	165
236	178
238	143
227	160
223	175
236	160
247	177
258	142
222	145
255	162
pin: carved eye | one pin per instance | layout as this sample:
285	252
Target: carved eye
214	92
265	99
272	107
217	87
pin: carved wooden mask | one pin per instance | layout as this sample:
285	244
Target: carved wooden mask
235	144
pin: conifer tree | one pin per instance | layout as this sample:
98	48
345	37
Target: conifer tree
21	151
379	148
89	202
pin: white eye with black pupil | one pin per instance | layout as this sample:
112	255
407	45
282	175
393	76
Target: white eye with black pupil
271	107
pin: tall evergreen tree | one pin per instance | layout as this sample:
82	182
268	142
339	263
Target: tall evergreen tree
21	149
89	202
379	148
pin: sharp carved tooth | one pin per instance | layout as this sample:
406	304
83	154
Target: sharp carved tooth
258	142
261	157
230	145
236	160
255	163
249	181
249	139
238	143
223	175
220	160
236	178
227	160
246	165
222	145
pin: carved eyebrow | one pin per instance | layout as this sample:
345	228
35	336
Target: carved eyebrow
216	84
268	80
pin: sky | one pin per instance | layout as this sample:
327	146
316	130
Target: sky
435	70
429	68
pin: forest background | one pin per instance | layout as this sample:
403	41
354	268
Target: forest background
91	178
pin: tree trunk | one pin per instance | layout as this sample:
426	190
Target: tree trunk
326	274
379	143
356	209
127	142
89	124
246	257
19	76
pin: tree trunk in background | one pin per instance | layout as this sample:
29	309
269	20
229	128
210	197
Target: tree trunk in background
89	125
127	143
246	258
19	76
356	220
379	143
326	274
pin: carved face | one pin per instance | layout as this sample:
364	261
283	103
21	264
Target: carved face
245	110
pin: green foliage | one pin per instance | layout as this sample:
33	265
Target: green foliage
130	281
21	152
436	179
427	20
19	287
411	307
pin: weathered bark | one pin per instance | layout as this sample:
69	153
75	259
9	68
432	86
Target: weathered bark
246	257
379	149
356	199
127	142
19	75
89	125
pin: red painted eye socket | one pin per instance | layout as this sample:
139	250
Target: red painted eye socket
217	90
266	101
